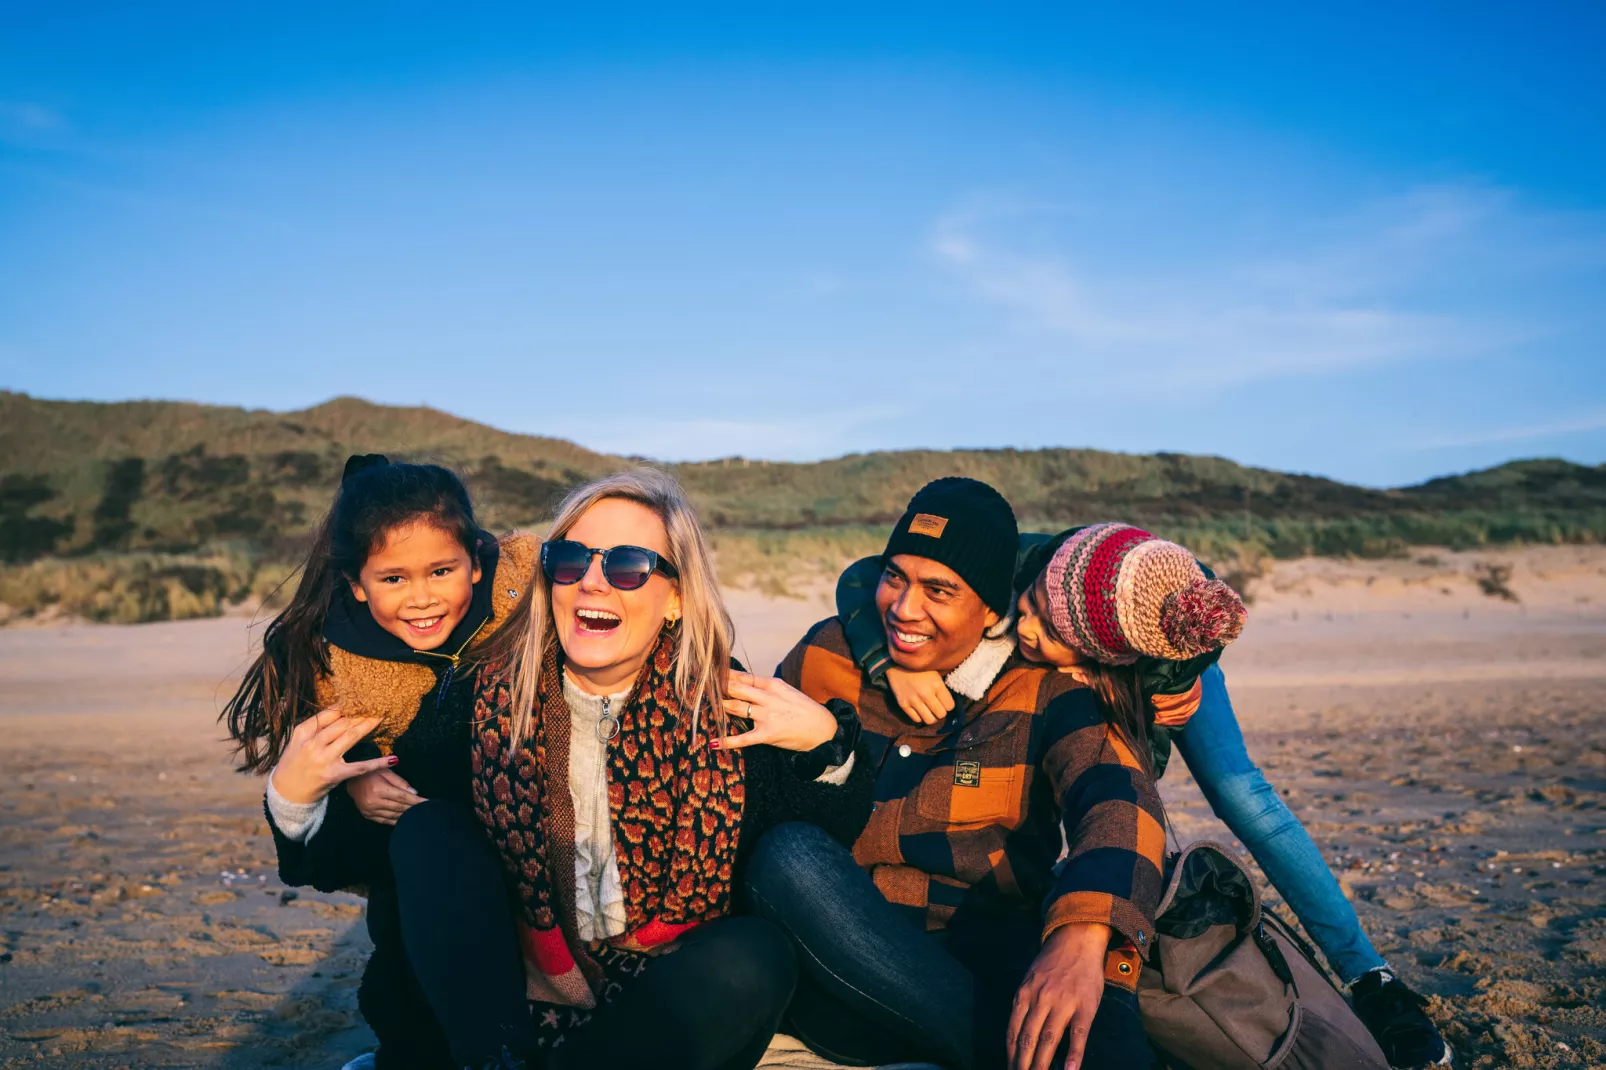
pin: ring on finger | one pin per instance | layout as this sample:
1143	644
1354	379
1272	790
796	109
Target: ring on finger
749	713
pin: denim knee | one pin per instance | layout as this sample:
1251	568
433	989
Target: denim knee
1249	805
790	857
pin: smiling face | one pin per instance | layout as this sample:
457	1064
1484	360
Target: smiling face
1036	637
606	633
933	619
418	584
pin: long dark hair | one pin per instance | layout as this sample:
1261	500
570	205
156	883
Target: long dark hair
1118	687
1125	707
375	497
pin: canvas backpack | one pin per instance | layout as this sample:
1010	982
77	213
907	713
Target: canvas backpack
1230	987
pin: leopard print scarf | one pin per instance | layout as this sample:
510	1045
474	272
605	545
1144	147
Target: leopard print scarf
676	810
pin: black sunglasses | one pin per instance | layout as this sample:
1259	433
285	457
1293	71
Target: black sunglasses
625	567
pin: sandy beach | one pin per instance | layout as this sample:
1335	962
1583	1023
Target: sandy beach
1437	722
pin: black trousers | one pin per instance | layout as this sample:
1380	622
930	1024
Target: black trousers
390	999
712	1003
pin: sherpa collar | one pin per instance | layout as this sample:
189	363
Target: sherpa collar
976	674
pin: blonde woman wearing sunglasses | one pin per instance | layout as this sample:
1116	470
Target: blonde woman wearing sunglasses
622	771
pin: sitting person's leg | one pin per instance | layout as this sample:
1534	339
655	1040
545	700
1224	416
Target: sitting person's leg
830	1028
389	997
1213	746
876	987
713	1003
998	952
457	927
1117	1039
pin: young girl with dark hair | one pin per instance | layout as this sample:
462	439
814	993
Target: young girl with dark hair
361	701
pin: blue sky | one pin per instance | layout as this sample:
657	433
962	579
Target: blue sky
1367	242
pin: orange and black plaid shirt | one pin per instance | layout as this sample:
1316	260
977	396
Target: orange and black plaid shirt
969	811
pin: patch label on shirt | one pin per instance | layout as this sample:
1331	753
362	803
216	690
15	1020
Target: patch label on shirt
926	524
967	774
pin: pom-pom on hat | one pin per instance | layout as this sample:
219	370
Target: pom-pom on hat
1116	592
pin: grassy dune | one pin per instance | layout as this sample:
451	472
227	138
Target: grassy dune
157	510
134	588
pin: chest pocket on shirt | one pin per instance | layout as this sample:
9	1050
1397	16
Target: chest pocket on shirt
986	782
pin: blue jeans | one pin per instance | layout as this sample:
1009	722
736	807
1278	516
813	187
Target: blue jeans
875	988
1213	746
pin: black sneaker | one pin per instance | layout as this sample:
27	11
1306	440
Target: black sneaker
1392	1013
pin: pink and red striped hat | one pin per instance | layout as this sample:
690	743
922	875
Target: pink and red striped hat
1116	593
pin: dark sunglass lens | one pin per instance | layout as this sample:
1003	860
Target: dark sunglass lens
628	568
566	561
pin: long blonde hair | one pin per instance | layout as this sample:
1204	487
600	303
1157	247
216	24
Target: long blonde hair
706	632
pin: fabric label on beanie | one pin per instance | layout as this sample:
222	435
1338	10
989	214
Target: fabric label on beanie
926	524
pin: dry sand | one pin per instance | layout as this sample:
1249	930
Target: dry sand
1444	744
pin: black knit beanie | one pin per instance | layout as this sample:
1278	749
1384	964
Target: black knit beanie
968	526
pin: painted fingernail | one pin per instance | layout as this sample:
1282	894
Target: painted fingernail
392	760
714	744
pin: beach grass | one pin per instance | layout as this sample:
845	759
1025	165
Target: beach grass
136	588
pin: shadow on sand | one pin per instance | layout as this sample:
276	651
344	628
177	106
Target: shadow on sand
315	1023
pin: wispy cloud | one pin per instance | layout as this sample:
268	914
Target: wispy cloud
819	434
1579	425
1335	293
21	118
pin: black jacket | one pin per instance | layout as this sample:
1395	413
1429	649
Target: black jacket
348	851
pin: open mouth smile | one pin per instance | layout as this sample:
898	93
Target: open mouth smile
424	625
596	621
908	642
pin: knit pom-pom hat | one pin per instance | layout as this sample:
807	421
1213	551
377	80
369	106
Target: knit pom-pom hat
1116	592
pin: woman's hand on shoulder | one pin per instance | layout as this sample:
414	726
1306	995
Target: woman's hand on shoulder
314	761
781	715
921	695
382	795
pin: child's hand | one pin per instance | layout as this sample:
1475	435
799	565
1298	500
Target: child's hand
382	796
922	695
315	760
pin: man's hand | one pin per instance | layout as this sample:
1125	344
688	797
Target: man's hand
314	761
921	695
1059	997
382	796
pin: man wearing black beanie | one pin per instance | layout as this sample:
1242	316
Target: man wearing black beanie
947	573
947	933
966	525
